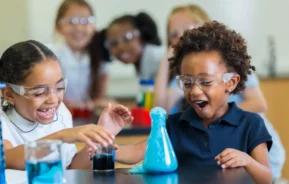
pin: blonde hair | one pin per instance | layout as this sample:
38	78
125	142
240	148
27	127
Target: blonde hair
197	13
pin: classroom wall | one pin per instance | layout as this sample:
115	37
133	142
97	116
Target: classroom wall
13	19
276	94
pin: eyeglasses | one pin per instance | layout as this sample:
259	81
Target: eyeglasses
78	20
40	93
125	39
178	32
204	82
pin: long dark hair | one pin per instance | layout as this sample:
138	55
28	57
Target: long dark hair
144	23
96	59
17	61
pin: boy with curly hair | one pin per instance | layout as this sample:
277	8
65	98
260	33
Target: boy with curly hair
212	62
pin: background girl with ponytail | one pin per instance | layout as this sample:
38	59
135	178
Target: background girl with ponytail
135	40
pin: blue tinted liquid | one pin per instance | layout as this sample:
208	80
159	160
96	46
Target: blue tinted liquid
2	156
44	172
103	162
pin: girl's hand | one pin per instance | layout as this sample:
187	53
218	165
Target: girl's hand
89	134
114	119
231	158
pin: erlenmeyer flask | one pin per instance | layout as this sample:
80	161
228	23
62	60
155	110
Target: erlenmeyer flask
160	155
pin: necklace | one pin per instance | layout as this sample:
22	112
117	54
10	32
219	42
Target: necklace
23	130
33	127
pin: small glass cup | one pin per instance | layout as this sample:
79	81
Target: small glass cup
43	162
103	159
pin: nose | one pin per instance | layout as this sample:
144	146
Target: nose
79	26
195	90
52	96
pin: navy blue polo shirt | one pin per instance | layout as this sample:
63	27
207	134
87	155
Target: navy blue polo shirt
197	145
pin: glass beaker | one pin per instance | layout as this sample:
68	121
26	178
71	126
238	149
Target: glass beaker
43	162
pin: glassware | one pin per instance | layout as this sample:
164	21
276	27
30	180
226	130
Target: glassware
2	156
43	162
160	155
104	158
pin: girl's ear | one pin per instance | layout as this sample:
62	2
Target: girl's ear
7	93
232	83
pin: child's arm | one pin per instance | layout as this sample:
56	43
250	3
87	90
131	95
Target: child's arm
254	100
114	119
117	117
257	165
81	160
165	96
88	134
131	154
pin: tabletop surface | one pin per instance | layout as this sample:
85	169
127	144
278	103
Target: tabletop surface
182	175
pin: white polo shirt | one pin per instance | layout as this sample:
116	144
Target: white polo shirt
150	61
18	130
76	69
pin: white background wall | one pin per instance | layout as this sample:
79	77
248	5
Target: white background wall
254	19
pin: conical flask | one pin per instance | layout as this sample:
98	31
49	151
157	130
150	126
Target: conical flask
160	155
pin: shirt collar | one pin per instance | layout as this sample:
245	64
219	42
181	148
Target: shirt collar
23	124
232	116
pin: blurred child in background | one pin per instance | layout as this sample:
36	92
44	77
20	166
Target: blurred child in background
80	56
181	18
135	40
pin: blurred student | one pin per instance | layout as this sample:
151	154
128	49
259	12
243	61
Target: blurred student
182	18
134	39
80	56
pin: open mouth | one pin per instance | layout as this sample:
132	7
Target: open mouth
200	103
46	113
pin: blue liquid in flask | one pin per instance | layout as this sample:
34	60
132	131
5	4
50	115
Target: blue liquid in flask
160	156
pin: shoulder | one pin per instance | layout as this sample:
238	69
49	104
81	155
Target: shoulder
173	119
256	132
7	131
252	81
154	53
250	118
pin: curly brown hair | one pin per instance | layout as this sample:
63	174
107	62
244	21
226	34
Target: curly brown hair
215	36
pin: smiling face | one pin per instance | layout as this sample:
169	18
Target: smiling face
210	103
47	72
128	49
76	35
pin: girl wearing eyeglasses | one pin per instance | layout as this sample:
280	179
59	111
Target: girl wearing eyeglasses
134	39
33	108
80	59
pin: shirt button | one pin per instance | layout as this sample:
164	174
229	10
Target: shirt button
211	127
206	143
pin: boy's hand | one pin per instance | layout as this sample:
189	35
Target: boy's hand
89	134
114	119
231	158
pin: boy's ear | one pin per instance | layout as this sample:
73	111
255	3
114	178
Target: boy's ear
7	94
232	83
